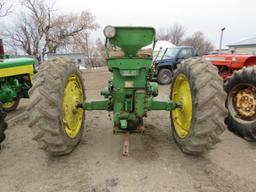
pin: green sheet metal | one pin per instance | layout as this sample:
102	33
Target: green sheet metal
16	62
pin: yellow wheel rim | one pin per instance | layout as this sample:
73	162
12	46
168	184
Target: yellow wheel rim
182	116
8	105
73	116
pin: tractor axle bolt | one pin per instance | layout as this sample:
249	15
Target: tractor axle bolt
179	105
79	105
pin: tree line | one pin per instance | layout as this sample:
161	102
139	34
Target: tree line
41	29
176	35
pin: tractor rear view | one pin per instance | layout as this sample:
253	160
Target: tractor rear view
196	101
239	71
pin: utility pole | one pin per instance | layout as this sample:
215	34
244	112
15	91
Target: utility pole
221	37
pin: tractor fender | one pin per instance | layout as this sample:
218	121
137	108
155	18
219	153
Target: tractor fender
250	61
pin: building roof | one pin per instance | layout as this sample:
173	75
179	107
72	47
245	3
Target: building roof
65	54
247	41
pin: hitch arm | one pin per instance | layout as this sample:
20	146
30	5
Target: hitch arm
162	105
94	105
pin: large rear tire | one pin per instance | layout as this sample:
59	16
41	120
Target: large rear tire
3	124
56	122
241	103
199	121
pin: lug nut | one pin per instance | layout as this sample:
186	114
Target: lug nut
79	105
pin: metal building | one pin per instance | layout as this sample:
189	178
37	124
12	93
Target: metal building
245	46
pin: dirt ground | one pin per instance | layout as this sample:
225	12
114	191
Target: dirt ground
97	165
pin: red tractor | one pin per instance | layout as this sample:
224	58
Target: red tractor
239	73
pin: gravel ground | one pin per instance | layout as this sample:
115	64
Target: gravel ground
97	165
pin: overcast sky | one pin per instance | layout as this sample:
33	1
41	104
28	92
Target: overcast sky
208	16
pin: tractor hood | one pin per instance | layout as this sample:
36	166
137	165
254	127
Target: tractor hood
16	62
231	60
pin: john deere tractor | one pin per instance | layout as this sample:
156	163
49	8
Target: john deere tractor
196	104
15	79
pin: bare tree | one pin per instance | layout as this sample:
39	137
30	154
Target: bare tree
94	51
41	30
199	42
162	35
173	34
102	56
5	7
25	36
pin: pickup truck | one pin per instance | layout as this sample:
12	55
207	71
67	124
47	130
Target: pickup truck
166	62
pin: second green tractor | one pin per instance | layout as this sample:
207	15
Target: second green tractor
196	102
16	76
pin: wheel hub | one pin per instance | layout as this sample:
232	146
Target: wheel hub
165	76
245	102
8	105
73	94
182	115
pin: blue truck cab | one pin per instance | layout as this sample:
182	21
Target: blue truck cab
166	62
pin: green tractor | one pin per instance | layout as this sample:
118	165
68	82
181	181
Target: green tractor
15	80
16	76
196	105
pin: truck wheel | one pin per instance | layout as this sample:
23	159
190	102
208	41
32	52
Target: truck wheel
3	124
56	122
164	76
199	121
241	103
11	106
